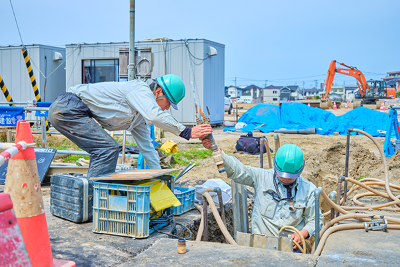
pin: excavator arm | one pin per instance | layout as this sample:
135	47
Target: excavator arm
351	71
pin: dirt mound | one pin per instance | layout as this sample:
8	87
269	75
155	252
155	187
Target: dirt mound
393	166
324	168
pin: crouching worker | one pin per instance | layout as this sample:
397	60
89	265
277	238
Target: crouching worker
116	106
282	196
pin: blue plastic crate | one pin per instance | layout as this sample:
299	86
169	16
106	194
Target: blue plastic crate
186	198
121	209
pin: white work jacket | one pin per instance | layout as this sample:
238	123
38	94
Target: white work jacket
269	214
128	106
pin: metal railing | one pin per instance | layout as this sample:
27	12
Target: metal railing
71	152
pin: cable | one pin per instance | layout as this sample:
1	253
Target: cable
16	23
187	46
178	237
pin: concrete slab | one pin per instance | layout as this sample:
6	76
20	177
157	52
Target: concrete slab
360	248
77	242
164	253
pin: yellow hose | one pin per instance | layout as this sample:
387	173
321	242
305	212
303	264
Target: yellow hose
343	227
304	249
385	167
201	226
218	219
373	182
343	211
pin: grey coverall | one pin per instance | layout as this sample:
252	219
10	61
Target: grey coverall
271	206
115	106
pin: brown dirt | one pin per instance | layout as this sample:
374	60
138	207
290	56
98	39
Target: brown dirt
324	156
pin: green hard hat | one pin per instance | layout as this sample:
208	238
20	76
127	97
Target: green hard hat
173	88
289	161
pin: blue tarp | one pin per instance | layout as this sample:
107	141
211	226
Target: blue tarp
301	116
10	115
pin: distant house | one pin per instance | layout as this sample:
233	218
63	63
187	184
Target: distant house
234	91
255	92
290	92
272	94
313	92
246	94
350	91
337	93
393	79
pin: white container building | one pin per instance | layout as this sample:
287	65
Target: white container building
46	59
98	62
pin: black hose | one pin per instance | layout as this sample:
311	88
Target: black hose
175	236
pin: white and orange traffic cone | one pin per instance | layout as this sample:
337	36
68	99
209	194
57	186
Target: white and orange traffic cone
345	106
334	106
23	185
308	104
382	107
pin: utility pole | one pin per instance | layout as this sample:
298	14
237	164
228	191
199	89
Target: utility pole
235	81
131	69
316	83
266	83
131	66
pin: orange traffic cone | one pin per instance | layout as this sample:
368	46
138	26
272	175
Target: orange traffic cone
346	107
308	104
334	106
23	185
382	107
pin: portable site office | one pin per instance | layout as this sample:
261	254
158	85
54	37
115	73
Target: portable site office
98	62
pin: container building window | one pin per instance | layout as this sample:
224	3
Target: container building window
100	70
274	99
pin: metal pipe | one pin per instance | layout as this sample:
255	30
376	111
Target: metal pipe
339	192
346	166
332	196
317	195
244	209
36	109
131	65
54	132
83	153
123	146
43	130
261	153
277	142
268	152
237	114
205	215
296	131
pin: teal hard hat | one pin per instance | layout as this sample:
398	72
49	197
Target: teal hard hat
173	88
289	161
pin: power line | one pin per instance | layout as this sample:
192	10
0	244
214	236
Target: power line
16	23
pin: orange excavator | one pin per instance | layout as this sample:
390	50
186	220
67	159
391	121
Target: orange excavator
369	91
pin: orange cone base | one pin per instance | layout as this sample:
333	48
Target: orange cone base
63	263
36	238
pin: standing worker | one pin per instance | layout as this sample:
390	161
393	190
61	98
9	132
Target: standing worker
282	196
116	106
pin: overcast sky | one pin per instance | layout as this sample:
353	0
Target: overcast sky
283	41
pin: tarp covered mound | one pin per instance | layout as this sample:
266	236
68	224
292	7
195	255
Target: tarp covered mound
301	116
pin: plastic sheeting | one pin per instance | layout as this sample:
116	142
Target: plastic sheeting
301	116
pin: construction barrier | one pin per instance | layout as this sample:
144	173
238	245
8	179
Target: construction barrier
11	151
24	187
5	92
13	251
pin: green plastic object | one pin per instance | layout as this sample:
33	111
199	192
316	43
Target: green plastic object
289	161
173	87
